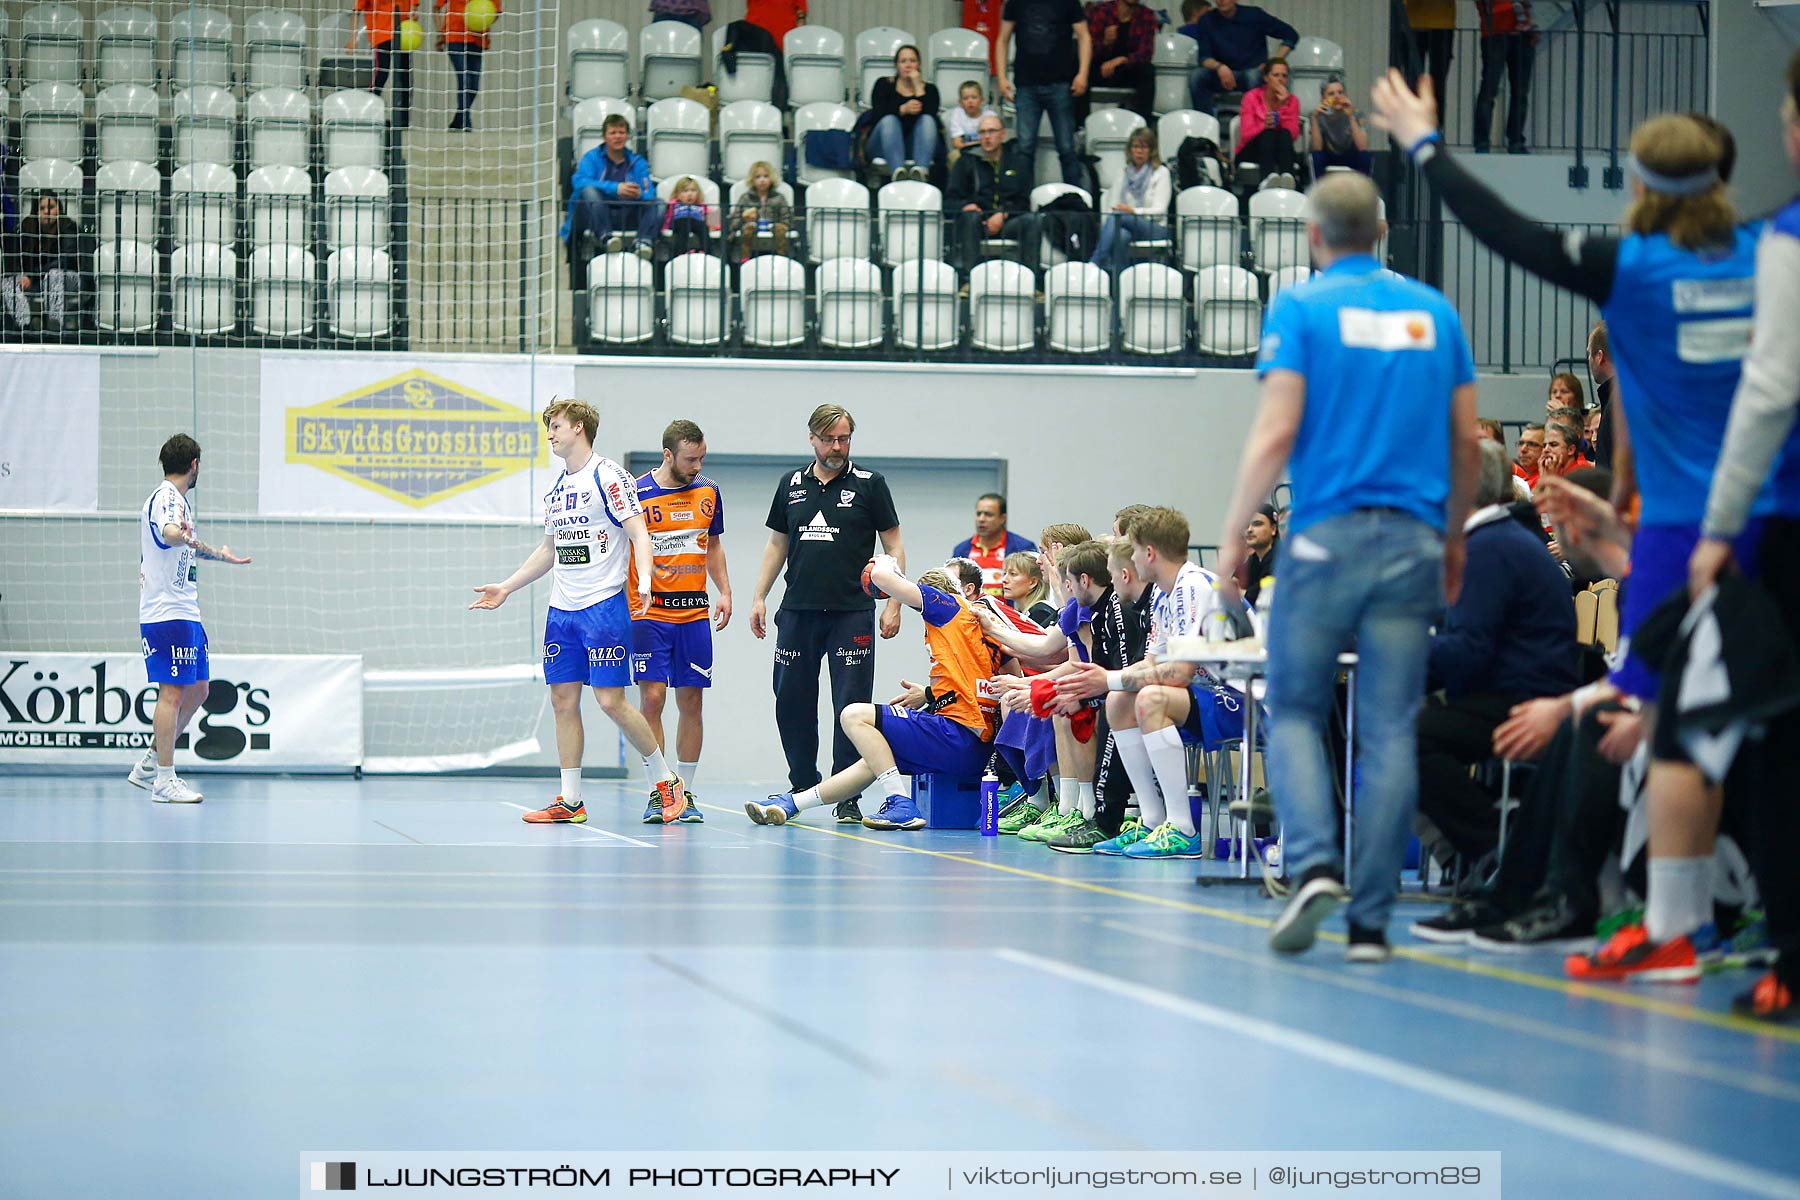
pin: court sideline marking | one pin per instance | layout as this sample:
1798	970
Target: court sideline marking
1587	991
1602	1135
617	837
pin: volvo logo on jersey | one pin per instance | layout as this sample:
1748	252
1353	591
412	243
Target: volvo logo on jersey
277	712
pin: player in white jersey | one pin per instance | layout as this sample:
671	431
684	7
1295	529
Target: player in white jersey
593	523
169	616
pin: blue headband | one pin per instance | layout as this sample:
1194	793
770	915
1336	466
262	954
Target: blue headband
1673	185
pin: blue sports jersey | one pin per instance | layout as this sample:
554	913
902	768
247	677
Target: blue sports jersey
1381	355
1679	324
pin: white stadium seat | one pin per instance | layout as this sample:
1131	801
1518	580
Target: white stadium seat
912	221
354	126
599	60
278	201
51	117
1310	63
621	299
1206	221
52	49
200	47
772	299
1107	130
1077	308
1278	229
356	208
875	50
125	47
1227	311
274	49
678	139
1002	307
1288	277
203	289
954	57
837	220
754	78
125	287
283	291
926	313
128	196
360	283
205	119
1174	128
693	284
820	115
589	121
1175	57
815	66
1152	314
849	303
57	175
128	124
749	132
203	204
279	120
668	59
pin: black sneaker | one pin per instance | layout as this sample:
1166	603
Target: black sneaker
1458	923
1549	926
849	812
1317	897
1078	837
1367	946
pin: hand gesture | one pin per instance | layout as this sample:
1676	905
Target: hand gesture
759	627
912	695
1410	117
490	595
722	611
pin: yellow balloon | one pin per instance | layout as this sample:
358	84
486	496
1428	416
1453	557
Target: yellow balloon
411	36
478	16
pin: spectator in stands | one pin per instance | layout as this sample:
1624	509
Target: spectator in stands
611	191
1338	136
1136	205
1490	430
1263	537
1590	432
1434	40
761	213
776	16
1022	585
1124	36
992	542
42	258
990	197
1508	39
381	21
1562	449
1268	126
1050	74
963	126
1565	392
465	48
689	12
1605	375
906	132
1191	12
685	221
1531	447
1234	45
1509	637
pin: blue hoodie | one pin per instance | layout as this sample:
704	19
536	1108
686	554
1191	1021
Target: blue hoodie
591	172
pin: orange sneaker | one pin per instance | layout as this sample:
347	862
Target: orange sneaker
558	814
1769	1000
1630	956
673	794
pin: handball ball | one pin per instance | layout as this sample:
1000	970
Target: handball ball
411	36
479	16
868	586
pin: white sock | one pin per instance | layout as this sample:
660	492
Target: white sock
164	775
1085	800
807	799
893	783
1130	744
688	771
1065	794
656	767
571	786
1680	897
1169	761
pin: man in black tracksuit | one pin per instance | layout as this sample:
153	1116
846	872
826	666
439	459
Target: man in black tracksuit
989	196
823	522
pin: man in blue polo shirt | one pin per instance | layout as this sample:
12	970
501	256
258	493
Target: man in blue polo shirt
1234	45
1374	545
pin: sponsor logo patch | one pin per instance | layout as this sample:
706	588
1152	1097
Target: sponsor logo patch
1366	329
573	556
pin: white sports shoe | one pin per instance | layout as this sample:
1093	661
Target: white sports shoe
143	775
175	791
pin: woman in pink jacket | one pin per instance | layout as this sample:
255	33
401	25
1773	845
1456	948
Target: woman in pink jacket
1269	125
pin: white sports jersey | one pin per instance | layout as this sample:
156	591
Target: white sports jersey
584	516
167	584
1178	610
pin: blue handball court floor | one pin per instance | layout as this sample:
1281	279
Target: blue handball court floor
192	996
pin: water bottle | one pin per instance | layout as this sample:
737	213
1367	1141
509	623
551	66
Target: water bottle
990	804
1265	602
1215	622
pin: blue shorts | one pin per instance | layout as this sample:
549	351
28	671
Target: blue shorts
591	645
1659	565
928	744
175	652
680	655
1215	715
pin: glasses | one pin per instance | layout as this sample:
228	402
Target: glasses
844	440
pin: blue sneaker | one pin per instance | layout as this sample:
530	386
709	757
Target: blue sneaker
653	814
1130	834
1010	796
691	815
778	811
1166	841
897	812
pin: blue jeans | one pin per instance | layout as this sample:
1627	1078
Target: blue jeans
889	140
1360	161
1031	102
465	60
1369	580
601	218
1117	233
1203	84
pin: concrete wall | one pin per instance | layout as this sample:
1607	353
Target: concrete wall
1751	46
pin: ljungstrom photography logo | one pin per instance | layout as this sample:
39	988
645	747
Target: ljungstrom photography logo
334	1177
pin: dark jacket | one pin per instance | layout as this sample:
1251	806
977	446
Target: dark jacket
994	187
35	248
1512	632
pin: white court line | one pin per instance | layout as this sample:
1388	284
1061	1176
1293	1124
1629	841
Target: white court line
1602	1135
588	827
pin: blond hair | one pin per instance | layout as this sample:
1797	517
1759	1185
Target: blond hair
1680	146
575	412
1163	530
1026	563
682	185
1118	554
1066	533
940	579
827	415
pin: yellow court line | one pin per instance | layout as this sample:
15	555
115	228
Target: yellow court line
1585	991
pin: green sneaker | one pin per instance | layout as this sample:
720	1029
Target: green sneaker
1021	816
1079	836
1130	834
1168	842
1610	925
1052	822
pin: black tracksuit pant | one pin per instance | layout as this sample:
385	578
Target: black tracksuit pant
846	640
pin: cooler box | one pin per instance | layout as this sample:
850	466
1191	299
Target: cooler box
948	803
